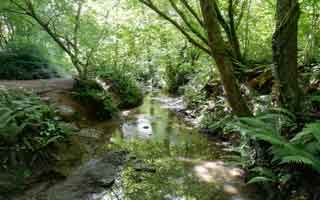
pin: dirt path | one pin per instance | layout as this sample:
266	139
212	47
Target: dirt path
39	86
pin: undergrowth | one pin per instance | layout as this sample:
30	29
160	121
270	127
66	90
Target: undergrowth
25	62
99	101
28	130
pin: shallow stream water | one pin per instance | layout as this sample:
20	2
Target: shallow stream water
172	160
168	159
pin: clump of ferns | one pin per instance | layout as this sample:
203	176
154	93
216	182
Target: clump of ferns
288	153
27	128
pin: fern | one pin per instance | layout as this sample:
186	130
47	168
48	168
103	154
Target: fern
314	129
302	150
260	179
23	119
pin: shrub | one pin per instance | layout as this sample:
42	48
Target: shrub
215	120
124	86
25	62
27	128
177	76
99	101
194	97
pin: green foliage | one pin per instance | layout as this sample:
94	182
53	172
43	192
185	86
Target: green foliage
286	155
216	119
203	89
99	101
27	128
159	164
177	76
25	62
215	123
194	97
123	86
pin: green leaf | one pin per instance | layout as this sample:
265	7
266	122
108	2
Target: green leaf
260	179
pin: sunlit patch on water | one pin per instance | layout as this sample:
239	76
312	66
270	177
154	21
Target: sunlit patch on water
216	171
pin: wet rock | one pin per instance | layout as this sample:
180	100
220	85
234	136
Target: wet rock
90	181
46	99
66	112
68	155
7	183
90	133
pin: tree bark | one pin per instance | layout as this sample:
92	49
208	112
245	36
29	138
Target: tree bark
223	60
233	33
284	46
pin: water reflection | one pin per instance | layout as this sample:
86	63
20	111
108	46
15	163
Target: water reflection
186	163
140	127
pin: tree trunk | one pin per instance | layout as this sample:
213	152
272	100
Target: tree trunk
223	60
311	37
285	54
233	37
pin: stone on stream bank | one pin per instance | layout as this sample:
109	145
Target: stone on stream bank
67	113
88	182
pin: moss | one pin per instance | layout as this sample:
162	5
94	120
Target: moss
124	87
99	102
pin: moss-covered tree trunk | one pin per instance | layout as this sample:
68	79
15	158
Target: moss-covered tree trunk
223	60
285	54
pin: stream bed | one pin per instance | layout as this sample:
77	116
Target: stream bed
166	159
173	160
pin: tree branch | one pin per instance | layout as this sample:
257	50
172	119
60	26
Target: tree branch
173	22
193	12
189	25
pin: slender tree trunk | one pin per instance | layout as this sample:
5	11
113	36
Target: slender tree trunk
285	54
223	59
309	52
233	37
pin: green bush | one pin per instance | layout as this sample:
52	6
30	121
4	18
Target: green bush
194	97
99	101
177	76
124	86
25	62
215	120
27	128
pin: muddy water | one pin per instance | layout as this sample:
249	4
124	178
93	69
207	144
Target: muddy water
172	161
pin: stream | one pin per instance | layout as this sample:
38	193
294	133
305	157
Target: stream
167	159
187	165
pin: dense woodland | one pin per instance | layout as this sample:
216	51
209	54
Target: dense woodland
247	70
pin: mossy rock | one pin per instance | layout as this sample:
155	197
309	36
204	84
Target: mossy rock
99	102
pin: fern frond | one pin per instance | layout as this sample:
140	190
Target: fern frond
260	179
314	128
296	159
264	172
